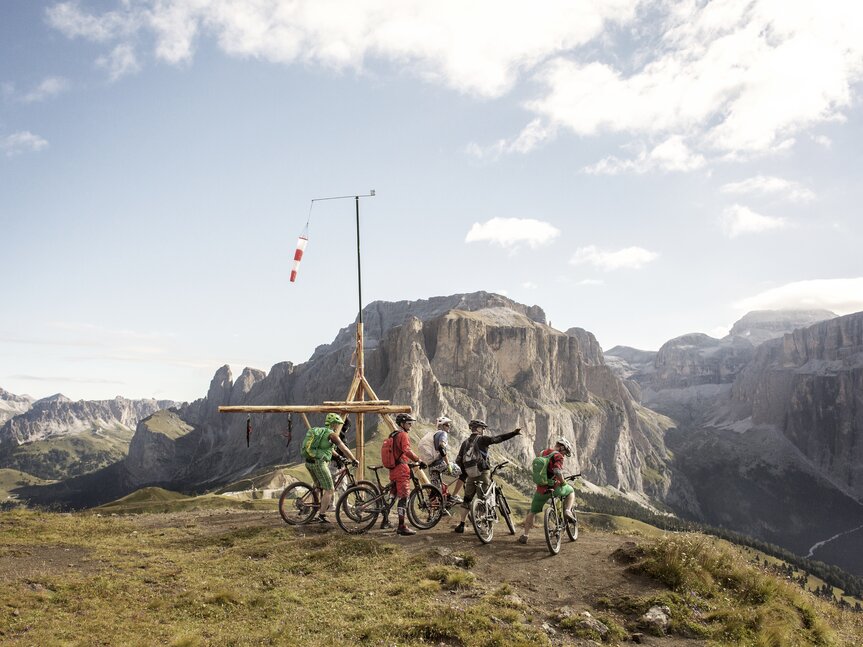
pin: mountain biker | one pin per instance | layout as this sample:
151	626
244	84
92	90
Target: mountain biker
401	473
556	485
479	443
433	449
318	451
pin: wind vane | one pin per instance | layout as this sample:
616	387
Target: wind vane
355	402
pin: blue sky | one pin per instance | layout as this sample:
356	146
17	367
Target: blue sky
641	169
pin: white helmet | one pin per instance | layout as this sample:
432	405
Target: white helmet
443	420
567	446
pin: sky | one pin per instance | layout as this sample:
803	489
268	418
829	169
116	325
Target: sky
642	169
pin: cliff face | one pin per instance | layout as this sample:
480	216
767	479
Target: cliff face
493	361
809	385
12	405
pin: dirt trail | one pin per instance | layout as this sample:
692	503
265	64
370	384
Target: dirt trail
583	572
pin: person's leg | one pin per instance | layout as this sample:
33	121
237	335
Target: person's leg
326	499
536	506
457	486
469	492
323	479
402	494
385	522
568	502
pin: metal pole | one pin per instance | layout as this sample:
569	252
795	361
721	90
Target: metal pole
359	268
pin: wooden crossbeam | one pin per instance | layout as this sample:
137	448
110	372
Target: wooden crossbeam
347	407
338	403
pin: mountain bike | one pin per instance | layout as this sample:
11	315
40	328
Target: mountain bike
358	508
555	522
485	506
300	501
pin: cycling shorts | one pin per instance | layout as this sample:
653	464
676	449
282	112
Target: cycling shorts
401	475
539	499
320	471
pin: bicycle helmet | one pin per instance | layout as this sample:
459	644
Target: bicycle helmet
473	424
403	418
567	446
443	420
333	418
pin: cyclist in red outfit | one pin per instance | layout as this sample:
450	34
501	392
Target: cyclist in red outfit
401	473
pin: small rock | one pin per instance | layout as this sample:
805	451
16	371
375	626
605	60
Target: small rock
656	620
637	638
563	613
443	551
16	613
547	628
592	624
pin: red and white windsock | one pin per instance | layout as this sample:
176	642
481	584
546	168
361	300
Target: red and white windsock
302	241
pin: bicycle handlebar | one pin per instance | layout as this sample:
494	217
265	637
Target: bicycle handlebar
498	466
573	477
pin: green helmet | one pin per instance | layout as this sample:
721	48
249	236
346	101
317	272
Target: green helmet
334	418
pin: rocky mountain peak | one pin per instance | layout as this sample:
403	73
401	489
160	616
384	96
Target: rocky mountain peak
381	316
52	399
760	325
12	405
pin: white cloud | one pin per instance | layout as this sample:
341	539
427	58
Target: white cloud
738	220
720	331
479	47
591	282
671	155
628	258
511	232
121	62
769	185
822	140
529	285
842	296
734	79
21	142
531	136
741	76
50	87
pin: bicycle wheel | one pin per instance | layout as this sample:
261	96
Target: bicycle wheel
572	528
425	507
553	529
483	520
370	484
503	506
358	509
298	503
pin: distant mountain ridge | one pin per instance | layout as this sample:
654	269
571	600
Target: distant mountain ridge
56	438
769	437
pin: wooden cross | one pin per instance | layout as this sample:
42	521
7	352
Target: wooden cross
355	403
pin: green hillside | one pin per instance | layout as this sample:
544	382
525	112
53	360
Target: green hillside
11	479
242	577
62	457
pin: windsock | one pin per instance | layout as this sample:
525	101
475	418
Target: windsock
302	241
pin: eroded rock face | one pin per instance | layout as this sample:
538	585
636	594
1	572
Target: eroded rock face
692	360
155	453
809	385
490	361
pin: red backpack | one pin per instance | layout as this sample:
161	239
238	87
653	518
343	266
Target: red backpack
388	450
